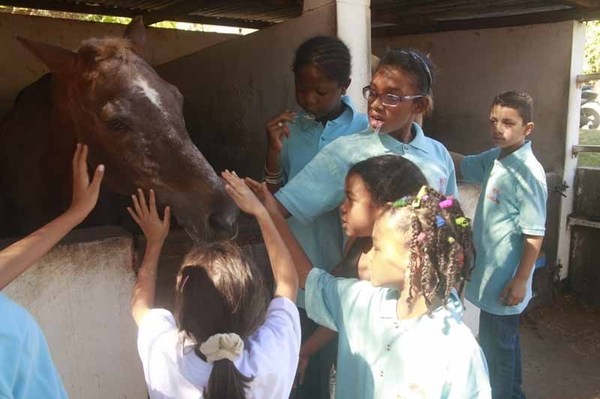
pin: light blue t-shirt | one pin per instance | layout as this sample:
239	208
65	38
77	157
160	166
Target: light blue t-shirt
381	356
319	187
512	204
322	239
26	367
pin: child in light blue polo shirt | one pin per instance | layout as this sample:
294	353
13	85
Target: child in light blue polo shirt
321	68
400	91
26	367
508	230
401	334
322	74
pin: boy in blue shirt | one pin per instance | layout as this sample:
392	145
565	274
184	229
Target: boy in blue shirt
508	231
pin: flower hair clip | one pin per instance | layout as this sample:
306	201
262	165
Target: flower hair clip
421	195
447	203
421	237
439	221
401	203
462	222
451	240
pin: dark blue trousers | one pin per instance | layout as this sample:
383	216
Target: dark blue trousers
499	339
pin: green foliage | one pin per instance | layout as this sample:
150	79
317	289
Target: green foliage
592	47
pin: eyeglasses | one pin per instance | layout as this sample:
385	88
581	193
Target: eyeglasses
388	100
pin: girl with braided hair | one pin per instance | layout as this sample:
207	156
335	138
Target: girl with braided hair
228	337
322	69
400	334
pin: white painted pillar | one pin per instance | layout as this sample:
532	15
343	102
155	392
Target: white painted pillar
572	138
354	28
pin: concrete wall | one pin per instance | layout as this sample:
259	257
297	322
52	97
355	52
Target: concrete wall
233	88
476	65
18	67
80	294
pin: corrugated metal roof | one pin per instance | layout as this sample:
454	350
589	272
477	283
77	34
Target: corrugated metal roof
388	16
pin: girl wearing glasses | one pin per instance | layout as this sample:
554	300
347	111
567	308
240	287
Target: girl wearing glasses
400	91
322	74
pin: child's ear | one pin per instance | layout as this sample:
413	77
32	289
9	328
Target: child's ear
421	105
529	128
345	86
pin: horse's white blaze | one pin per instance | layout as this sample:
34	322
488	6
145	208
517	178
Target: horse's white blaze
149	92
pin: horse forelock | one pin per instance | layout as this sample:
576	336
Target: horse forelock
98	50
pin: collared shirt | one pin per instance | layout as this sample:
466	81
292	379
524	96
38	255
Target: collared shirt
381	356
319	187
512	204
174	371
322	239
26	367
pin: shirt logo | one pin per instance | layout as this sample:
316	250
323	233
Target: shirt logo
493	195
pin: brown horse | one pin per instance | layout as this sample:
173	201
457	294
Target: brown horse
107	96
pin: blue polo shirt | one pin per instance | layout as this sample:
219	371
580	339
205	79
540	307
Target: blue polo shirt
26	367
381	356
512	204
322	238
319	187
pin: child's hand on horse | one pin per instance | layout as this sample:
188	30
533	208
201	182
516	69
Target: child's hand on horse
263	194
239	192
147	217
85	194
277	128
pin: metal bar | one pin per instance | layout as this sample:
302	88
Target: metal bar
581	79
578	221
577	149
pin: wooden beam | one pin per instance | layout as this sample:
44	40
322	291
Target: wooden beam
582	3
75	8
173	12
486	23
120	12
402	15
238	23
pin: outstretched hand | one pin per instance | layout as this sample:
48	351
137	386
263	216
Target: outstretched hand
264	195
147	217
85	194
239	192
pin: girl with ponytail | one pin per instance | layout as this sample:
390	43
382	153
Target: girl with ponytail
226	337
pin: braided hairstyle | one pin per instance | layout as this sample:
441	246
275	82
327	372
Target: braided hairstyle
328	53
440	239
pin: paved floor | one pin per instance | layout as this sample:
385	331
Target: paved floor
561	350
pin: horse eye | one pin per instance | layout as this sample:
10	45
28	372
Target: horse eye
117	125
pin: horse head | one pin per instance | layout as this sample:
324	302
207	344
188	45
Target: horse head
132	120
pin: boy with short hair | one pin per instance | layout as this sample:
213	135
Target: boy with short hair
508	229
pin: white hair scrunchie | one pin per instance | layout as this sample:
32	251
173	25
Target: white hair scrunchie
222	346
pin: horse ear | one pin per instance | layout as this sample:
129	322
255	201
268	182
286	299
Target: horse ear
60	61
136	33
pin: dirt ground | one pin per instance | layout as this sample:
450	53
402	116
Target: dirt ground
561	350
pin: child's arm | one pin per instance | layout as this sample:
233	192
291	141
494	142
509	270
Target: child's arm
285	276
514	291
300	260
277	129
317	341
19	256
156	231
457	159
